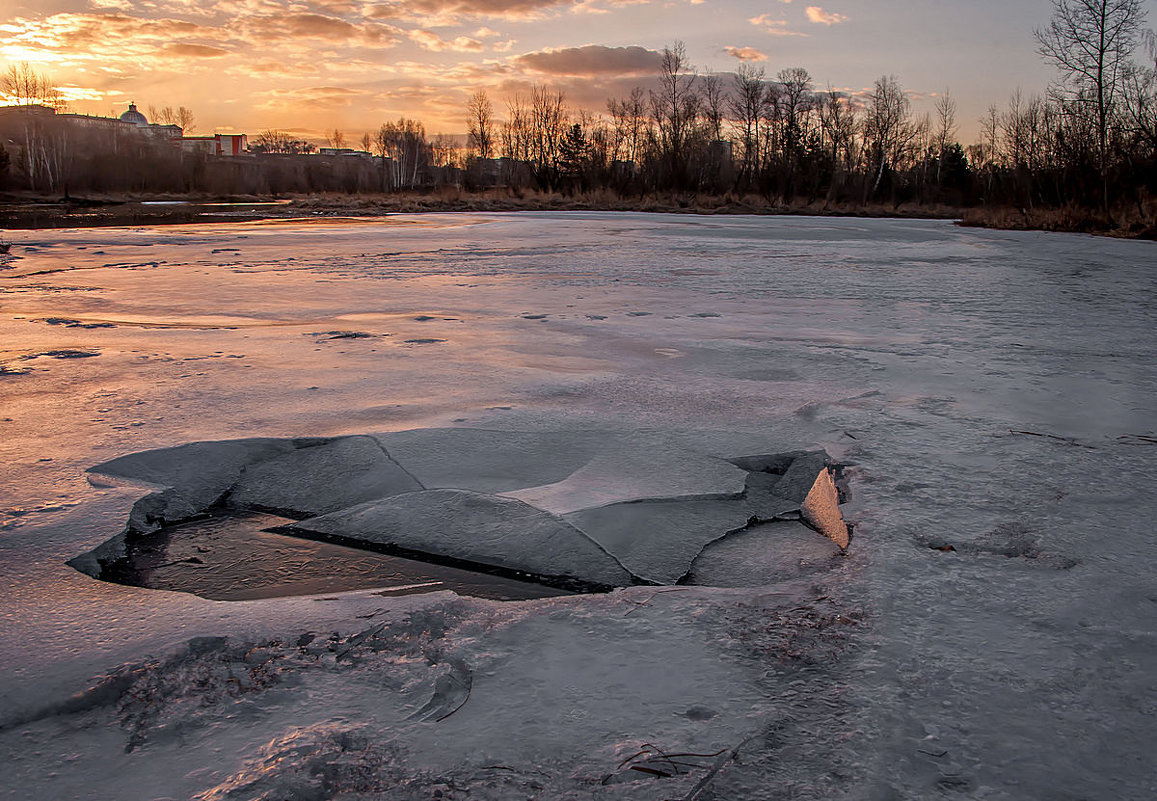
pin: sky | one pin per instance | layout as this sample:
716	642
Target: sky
310	66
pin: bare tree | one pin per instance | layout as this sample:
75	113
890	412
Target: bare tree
25	85
516	129
630	124
1091	42
185	119
675	106
404	144
480	122
746	109
887	126
274	141
837	116
715	103
1142	95
945	133
548	119
335	138
796	101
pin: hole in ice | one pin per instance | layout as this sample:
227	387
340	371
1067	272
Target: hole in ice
494	514
239	556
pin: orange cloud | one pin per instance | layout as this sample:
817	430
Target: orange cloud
447	12
747	53
774	27
318	26
821	17
432	41
314	97
194	50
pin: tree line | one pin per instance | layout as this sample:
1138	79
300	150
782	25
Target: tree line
1089	142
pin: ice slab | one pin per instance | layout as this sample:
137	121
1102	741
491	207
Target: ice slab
195	475
630	469
483	529
488	461
318	477
658	540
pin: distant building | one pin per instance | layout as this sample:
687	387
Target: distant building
344	151
134	117
137	120
216	145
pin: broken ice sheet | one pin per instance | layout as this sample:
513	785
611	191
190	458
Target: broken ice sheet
615	510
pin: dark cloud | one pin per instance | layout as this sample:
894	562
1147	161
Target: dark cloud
591	60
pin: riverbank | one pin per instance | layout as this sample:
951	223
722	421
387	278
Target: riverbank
27	211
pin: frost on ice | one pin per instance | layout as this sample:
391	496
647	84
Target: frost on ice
586	510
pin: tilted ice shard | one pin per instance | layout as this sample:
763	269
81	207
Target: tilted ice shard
472	527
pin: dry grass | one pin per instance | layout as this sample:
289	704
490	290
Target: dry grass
1134	222
514	199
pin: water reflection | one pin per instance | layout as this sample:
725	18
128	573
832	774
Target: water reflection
234	557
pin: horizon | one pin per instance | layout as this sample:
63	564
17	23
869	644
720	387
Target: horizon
306	68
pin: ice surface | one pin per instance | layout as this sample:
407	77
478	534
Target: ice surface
634	468
990	391
762	555
487	460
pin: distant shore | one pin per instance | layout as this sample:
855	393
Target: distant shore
31	212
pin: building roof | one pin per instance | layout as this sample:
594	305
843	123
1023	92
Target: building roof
134	116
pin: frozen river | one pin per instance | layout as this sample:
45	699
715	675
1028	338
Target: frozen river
990	633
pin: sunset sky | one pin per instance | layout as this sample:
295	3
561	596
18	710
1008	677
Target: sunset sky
312	65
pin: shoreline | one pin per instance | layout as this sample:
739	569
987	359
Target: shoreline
32	213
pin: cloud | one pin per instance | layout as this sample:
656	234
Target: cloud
589	7
747	53
432	41
448	12
590	60
314	97
821	17
774	27
319	26
194	50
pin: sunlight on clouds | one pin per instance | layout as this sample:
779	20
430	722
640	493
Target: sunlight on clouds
316	97
33	55
772	26
821	17
432	41
589	7
71	94
445	13
746	53
194	50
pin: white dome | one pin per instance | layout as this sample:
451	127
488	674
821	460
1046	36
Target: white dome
134	116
